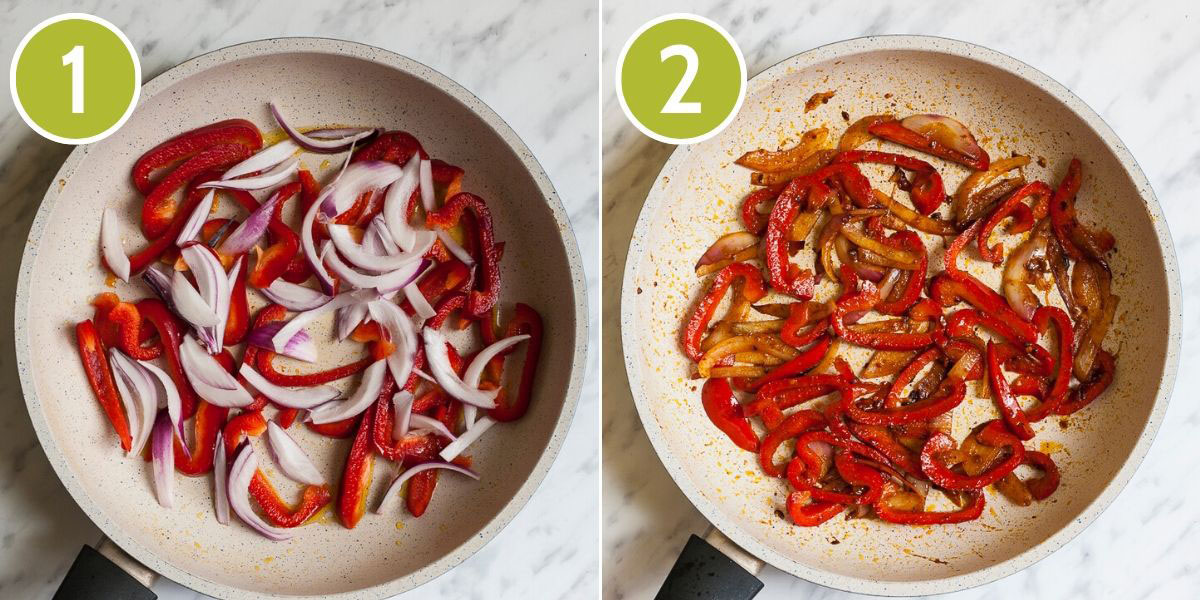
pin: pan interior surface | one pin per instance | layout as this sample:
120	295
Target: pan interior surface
385	554
698	198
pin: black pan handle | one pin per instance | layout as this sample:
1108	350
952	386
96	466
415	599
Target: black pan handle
95	575
703	571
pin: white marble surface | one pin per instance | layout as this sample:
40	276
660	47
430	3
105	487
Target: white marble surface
1138	65
533	62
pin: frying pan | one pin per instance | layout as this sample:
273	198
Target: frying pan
1011	107
321	82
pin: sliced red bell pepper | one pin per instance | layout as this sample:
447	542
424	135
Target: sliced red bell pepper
445	278
798	475
337	429
927	190
907	375
797	319
312	499
1006	402
484	297
159	246
391	146
95	365
948	290
273	262
995	254
1062	209
159	208
894	131
525	321
169	328
794	425
810	514
1099	380
961	323
752	216
356	475
807	359
420	491
970	512
785	276
882	439
128	322
190	143
911	292
993	434
697	324
949	396
726	413
198	460
238	322
1042	487
865	299
858	474
1057	395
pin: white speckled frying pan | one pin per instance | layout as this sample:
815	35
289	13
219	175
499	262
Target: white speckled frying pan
1011	107
321	82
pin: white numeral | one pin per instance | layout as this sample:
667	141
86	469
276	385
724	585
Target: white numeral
75	59
674	104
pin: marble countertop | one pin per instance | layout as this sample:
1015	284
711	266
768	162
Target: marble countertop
1138	65
524	60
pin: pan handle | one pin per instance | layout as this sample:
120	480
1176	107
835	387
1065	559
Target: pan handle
106	572
712	567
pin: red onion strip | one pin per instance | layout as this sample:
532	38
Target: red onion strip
294	297
111	247
300	347
314	143
258	182
453	449
439	363
398	482
138	394
302	398
291	457
264	159
220	480
195	222
367	392
240	475
162	454
251	230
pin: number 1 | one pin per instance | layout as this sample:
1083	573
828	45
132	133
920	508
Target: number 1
75	59
674	104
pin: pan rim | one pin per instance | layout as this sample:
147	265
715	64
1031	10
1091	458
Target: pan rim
343	48
1028	73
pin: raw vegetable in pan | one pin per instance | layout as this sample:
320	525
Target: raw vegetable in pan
876	440
390	248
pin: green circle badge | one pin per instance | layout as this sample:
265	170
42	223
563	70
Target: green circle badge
75	78
681	78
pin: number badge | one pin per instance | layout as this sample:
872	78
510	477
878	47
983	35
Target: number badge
75	78
681	78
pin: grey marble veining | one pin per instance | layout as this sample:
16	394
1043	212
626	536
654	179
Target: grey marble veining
533	62
1138	65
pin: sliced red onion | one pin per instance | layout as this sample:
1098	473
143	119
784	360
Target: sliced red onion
212	282
946	130
111	246
306	239
395	204
162	455
361	177
368	390
258	182
251	230
265	159
240	475
469	412
138	394
439	362
158	278
726	246
1015	280
402	333
171	394
431	424
196	221
338	132
224	302
424	375
315	143
420	270
294	297
300	347
426	180
475	369
343	241
302	398
455	248
402	402
220	479
420	303
189	304
349	317
384	282
209	379
888	282
453	449
281	338
398	482
377	240
291	457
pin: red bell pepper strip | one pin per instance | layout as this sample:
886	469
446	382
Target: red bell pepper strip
274	508
155	250
894	131
1006	402
948	290
961	324
796	320
159	208
198	460
190	143
337	429
697	324
356	475
128	322
1098	381
906	376
994	434
1062	210
754	219
95	365
911	292
391	146
804	361
445	278
848	177
482	299
1044	486
525	321
273	262
970	512
794	425
927	191
785	276
169	329
857	474
882	439
810	514
865	299
995	254
420	491
263	357
798	476
949	396
238	322
786	393
726	413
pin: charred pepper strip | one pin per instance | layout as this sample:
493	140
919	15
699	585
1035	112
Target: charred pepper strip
804	361
865	299
752	290
188	144
95	365
810	514
894	131
1044	486
948	290
169	327
882	439
994	434
794	425
927	191
784	275
950	396
1006	402
356	475
911	293
970	512
525	321
995	254
482	299
754	219
1098	381
726	413
159	208
1062	210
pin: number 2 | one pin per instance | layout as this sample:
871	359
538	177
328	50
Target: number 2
674	104
75	59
